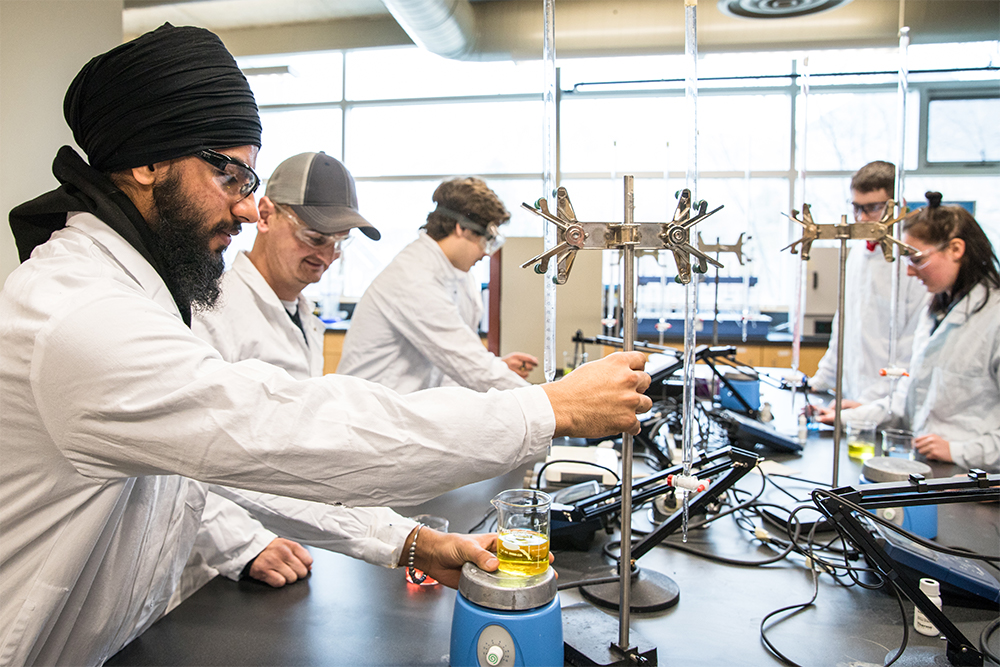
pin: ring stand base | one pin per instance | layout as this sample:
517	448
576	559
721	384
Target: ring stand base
650	591
919	656
589	634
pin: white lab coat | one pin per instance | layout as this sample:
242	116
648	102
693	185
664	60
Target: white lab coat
867	300
954	384
250	322
111	407
416	327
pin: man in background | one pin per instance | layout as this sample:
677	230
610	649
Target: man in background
417	324
868	301
305	217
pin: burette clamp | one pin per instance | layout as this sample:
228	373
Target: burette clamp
572	236
686	482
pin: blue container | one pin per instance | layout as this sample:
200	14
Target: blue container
747	387
920	520
529	638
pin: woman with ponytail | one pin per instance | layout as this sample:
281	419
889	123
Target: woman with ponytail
951	401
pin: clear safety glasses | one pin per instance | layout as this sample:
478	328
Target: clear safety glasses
875	209
315	239
492	240
235	178
920	260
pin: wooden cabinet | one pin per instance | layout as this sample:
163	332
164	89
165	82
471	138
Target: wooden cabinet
777	355
333	345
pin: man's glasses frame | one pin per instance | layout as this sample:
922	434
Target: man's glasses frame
237	179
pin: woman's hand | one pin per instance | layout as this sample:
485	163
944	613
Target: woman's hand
934	447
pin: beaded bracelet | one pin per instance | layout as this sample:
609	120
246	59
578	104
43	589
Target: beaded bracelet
414	577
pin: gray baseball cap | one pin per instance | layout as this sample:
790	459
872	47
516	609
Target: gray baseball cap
321	192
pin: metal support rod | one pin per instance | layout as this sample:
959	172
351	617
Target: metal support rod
629	327
838	398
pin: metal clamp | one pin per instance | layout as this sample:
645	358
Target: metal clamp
674	235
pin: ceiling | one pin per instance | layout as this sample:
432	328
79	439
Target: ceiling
512	29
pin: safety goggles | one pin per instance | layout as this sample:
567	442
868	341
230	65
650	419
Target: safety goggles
235	178
920	259
873	209
489	235
315	239
491	239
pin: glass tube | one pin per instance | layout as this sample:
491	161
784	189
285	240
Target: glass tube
691	290
902	91
549	178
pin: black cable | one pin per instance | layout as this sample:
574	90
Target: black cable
588	463
984	639
588	582
482	522
799	607
906	624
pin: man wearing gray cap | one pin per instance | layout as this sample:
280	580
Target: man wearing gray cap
306	214
117	420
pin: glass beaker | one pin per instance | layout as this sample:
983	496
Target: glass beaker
522	531
897	443
861	440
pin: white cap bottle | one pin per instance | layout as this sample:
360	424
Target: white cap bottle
921	623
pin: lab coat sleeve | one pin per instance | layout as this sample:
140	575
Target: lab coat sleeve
434	326
228	537
373	534
825	377
124	389
883	410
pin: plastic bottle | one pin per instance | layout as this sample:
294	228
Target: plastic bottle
803	429
921	623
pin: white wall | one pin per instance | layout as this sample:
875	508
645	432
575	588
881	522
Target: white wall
43	44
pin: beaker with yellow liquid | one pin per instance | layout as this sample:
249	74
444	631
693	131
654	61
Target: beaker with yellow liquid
522	531
861	440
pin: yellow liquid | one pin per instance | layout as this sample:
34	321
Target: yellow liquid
522	552
862	451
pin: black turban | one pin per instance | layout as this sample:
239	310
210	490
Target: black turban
166	94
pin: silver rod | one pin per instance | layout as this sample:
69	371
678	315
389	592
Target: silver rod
629	326
840	358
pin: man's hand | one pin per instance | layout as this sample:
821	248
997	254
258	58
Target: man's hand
520	363
281	562
442	555
602	397
934	447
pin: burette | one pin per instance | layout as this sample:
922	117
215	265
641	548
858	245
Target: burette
691	290
894	372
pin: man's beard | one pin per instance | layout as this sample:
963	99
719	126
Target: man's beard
183	242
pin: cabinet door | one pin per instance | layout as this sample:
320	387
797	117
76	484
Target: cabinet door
333	346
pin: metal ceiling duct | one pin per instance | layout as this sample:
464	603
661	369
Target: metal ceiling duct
512	29
444	27
776	9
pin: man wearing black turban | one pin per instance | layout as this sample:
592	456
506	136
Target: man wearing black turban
118	421
168	94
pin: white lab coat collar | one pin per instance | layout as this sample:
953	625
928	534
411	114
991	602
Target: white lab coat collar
122	253
440	257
